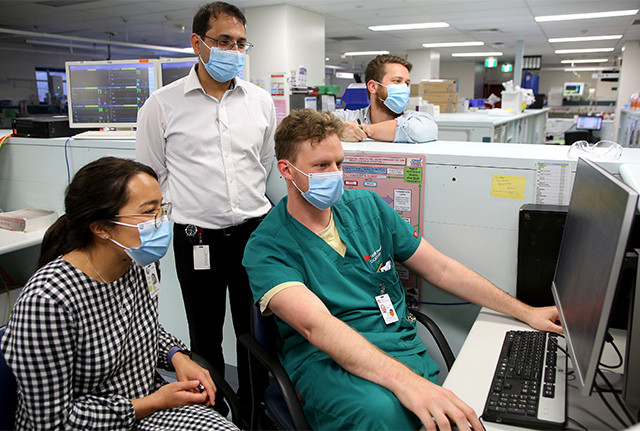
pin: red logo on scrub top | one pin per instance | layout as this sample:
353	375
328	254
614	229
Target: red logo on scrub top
367	257
415	233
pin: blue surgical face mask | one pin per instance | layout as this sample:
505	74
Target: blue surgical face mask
325	188
154	242
223	64
397	97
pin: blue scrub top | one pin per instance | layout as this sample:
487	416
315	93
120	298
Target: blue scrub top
283	250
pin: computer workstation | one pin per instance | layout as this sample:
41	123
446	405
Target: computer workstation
108	94
584	130
595	243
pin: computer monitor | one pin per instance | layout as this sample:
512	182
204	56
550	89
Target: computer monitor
601	212
172	69
108	93
585	122
573	89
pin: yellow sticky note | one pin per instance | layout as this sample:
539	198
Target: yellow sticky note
508	186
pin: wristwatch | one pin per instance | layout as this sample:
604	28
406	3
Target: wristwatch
175	350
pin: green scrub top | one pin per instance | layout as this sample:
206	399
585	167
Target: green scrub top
283	250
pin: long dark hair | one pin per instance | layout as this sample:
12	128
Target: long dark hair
96	193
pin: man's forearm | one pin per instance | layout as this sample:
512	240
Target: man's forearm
384	131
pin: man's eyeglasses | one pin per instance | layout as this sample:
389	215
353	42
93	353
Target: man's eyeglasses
229	44
158	217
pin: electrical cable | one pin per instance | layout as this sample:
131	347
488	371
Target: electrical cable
601	391
577	423
609	339
4	138
66	158
606	403
617	396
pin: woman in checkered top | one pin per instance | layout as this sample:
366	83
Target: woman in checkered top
84	339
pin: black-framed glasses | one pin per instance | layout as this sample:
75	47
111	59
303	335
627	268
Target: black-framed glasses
158	218
229	44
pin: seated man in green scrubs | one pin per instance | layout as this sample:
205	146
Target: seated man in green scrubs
323	262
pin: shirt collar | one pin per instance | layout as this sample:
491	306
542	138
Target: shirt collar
367	114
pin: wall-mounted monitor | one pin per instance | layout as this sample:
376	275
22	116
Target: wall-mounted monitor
573	89
172	69
108	93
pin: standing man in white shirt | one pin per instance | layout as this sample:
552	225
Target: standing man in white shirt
385	119
209	137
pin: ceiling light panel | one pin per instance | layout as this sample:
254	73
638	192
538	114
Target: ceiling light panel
356	53
571	17
452	44
586	60
476	54
582	51
416	26
584	39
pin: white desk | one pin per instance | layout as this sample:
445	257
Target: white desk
470	377
12	241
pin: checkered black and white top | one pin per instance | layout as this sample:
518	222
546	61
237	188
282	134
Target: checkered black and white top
81	350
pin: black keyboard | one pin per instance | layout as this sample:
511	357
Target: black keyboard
529	386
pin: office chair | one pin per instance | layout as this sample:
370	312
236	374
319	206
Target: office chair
8	394
279	402
225	389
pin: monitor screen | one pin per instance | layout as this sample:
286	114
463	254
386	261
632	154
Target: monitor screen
588	123
173	69
573	88
108	93
601	212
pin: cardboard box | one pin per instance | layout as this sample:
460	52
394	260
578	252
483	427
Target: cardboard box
440	97
438	86
447	107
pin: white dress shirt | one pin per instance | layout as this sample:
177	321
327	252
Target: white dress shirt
212	156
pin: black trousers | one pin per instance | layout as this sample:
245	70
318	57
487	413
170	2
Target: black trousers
204	295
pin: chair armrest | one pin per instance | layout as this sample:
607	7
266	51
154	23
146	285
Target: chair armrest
438	336
274	366
221	384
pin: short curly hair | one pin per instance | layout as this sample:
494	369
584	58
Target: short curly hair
376	68
304	125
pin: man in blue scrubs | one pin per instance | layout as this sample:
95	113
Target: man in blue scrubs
323	262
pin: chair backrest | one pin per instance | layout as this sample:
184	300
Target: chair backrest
265	331
8	396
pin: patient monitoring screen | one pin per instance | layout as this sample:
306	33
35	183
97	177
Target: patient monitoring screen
109	93
589	123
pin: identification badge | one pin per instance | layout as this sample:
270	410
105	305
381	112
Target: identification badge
386	308
384	267
201	259
153	284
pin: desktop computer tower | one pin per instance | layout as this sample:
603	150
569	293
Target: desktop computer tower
540	229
